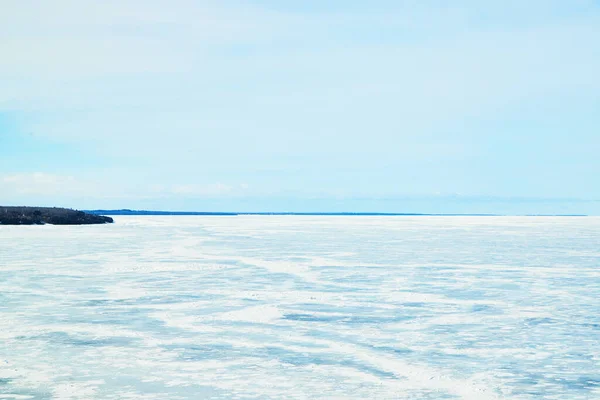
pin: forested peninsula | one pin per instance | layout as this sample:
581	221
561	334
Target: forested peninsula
48	215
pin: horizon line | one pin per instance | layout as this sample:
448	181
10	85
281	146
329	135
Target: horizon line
126	211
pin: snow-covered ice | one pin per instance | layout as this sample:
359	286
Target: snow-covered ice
291	307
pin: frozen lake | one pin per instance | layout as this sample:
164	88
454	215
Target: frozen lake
255	307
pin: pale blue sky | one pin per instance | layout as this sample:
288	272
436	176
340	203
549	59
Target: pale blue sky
416	106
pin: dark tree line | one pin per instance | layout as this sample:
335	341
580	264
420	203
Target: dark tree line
48	215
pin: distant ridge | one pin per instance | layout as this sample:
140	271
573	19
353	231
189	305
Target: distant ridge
374	214
150	212
146	212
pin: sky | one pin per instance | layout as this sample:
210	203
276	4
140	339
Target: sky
468	106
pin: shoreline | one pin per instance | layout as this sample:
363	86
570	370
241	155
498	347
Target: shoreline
14	215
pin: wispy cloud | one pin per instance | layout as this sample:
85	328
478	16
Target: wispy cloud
45	189
199	190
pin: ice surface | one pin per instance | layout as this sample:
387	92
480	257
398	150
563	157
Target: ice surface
302	308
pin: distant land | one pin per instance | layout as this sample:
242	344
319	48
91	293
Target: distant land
48	215
66	216
202	213
146	212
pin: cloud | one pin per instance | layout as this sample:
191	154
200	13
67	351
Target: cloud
144	55
168	65
39	188
200	190
39	183
45	189
191	190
